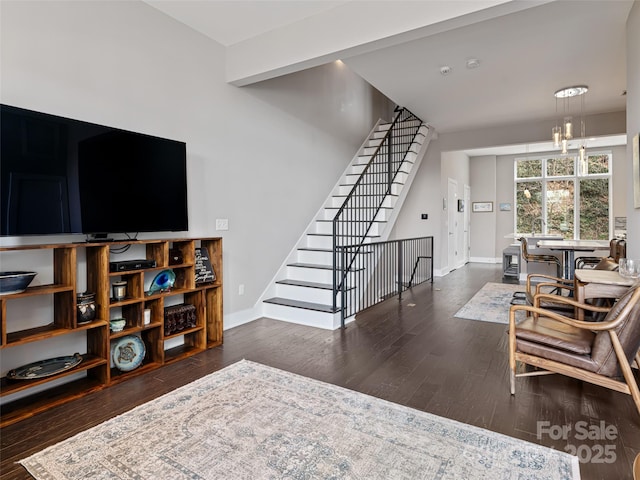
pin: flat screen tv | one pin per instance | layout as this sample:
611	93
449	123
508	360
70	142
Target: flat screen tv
64	176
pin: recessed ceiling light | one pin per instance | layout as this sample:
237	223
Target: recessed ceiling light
473	63
445	70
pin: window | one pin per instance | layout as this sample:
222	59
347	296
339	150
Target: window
563	196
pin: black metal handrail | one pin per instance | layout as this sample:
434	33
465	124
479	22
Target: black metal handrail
383	269
354	219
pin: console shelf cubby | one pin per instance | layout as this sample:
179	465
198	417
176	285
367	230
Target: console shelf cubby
61	273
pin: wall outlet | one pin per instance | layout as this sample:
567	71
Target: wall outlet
241	289
222	224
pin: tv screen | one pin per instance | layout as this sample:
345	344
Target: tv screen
59	175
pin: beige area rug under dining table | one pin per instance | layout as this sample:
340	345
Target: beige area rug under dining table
491	303
250	421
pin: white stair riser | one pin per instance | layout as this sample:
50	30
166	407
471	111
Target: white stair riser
319	241
328	321
361	160
382	216
359	228
305	294
368	152
315	257
401	177
365	159
398	144
336	202
344	190
317	275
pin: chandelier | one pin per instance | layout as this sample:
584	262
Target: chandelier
562	134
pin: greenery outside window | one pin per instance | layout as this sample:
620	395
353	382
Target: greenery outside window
564	196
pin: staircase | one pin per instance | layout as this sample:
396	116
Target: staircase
355	212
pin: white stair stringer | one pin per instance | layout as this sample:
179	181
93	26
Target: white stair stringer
302	290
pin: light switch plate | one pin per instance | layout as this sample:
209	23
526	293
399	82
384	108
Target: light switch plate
222	224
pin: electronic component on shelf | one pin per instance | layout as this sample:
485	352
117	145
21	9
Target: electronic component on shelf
126	265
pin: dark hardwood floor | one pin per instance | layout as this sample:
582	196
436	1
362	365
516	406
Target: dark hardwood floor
412	352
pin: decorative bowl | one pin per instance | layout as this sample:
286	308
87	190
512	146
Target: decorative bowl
162	282
15	282
117	324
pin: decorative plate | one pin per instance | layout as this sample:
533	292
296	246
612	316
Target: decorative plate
128	352
162	281
45	368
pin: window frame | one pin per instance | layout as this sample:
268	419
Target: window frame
577	177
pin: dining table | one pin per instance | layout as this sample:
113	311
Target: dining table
590	283
569	249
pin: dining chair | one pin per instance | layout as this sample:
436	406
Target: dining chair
548	284
539	258
538	283
614	256
622	250
594	352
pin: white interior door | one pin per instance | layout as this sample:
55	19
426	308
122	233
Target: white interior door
452	223
467	224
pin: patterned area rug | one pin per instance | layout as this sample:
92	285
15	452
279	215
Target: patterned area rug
249	421
491	303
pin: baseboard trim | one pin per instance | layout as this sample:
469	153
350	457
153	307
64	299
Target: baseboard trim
236	319
485	260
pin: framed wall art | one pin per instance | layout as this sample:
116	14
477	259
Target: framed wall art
482	206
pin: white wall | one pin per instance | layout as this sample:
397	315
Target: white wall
633	124
483	224
265	157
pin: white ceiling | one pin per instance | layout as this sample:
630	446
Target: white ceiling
524	56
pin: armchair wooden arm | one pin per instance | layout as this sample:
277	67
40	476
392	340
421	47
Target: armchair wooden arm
541	283
553	286
541	297
532	276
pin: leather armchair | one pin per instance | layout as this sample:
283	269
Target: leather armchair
595	352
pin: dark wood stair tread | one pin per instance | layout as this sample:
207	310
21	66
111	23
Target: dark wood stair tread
356	221
317	266
303	283
313	234
319	307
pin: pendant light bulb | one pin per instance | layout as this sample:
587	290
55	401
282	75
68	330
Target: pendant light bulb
584	163
556	134
568	128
